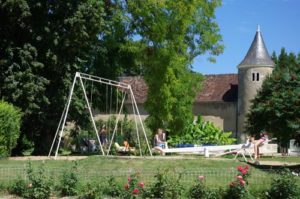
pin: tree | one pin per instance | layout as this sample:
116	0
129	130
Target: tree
43	44
276	108
10	122
172	34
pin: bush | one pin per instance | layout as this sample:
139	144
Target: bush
284	186
133	188
238	188
200	191
92	191
39	186
69	182
10	121
201	132
166	186
18	187
112	189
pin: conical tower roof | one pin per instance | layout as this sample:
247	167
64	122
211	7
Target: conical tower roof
258	54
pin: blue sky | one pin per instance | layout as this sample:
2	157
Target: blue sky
279	22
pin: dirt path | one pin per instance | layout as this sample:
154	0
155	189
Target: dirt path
48	158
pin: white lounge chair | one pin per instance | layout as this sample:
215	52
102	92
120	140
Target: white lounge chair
245	150
265	148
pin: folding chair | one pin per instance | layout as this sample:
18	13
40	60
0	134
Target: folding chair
245	150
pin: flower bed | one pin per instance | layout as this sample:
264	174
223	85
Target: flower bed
165	184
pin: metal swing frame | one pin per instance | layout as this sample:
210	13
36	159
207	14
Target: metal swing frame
137	117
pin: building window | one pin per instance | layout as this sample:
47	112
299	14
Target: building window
255	77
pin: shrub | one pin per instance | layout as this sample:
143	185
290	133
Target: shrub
238	188
166	185
92	191
69	181
39	186
202	132
112	189
18	187
133	188
10	121
200	191
284	186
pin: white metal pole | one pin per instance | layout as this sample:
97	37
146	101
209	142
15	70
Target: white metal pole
57	130
140	119
116	125
66	114
136	127
91	114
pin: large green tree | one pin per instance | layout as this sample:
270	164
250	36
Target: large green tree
43	44
172	34
276	108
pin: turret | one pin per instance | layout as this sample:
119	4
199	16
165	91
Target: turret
252	71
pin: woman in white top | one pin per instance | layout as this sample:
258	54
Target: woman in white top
160	140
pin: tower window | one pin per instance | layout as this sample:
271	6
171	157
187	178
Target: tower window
255	77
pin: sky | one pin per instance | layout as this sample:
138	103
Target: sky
279	22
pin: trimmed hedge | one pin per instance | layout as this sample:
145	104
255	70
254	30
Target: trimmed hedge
10	121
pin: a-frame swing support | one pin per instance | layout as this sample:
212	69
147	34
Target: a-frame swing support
62	122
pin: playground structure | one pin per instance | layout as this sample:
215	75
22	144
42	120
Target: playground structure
119	85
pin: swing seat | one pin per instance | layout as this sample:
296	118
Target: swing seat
124	149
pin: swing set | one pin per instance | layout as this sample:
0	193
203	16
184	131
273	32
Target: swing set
126	90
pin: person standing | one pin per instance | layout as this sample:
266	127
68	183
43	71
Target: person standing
103	135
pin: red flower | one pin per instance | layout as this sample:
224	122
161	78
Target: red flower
244	172
135	191
242	182
239	168
240	177
126	186
201	178
129	179
141	184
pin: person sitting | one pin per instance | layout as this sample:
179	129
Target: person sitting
258	143
124	149
160	141
126	145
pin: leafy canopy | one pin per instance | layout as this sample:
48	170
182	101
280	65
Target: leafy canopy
172	34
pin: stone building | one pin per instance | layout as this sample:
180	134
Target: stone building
225	98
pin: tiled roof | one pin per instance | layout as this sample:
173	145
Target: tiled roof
216	88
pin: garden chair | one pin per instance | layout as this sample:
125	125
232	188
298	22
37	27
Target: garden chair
245	150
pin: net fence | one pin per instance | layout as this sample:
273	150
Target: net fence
213	177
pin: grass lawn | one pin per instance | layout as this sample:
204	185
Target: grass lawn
219	172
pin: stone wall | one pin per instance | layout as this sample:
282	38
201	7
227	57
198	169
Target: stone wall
222	114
